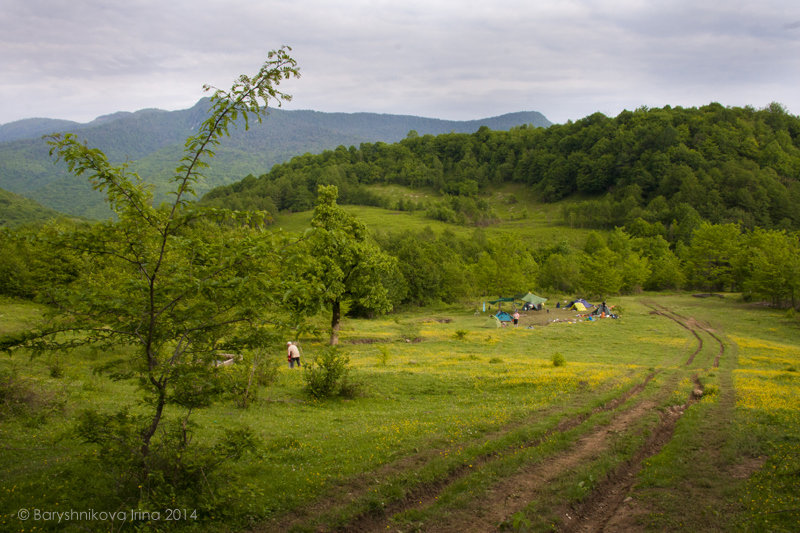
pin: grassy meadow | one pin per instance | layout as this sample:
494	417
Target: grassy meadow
443	422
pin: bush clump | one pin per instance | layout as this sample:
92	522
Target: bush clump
175	472
558	359
22	397
328	375
251	371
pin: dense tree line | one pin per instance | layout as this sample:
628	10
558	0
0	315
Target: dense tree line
662	166
701	198
763	264
430	267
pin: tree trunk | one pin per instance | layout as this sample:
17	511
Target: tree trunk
336	316
148	433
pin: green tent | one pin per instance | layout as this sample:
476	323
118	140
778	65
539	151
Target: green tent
500	300
533	299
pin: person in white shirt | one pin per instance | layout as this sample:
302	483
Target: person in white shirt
293	354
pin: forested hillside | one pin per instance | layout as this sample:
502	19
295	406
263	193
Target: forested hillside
661	168
151	140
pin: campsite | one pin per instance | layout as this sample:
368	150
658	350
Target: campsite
534	312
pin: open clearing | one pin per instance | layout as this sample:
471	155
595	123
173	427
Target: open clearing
681	415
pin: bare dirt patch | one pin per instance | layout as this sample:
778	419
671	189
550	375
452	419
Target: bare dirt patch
552	316
365	340
746	467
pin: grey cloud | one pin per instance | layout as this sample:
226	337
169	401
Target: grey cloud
451	59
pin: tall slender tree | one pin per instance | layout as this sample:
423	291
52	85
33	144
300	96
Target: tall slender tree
170	281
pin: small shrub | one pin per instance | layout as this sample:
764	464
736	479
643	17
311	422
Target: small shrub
246	375
517	522
409	331
460	334
56	370
327	374
495	360
16	394
383	355
558	359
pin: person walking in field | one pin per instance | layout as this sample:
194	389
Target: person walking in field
293	354
515	316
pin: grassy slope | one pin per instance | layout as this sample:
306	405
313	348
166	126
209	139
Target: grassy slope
448	402
520	216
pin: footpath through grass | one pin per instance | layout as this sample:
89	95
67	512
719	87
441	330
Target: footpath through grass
437	407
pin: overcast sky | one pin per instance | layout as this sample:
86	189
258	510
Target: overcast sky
78	59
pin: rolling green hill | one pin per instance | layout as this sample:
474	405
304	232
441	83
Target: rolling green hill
663	169
152	140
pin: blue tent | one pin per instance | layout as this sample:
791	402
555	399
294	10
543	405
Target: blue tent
502	316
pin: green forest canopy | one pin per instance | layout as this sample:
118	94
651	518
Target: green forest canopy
660	166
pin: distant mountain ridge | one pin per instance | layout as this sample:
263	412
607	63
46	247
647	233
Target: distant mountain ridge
151	140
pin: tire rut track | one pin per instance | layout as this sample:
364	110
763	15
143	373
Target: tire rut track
693	325
662	311
597	511
425	495
359	486
513	493
601	511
